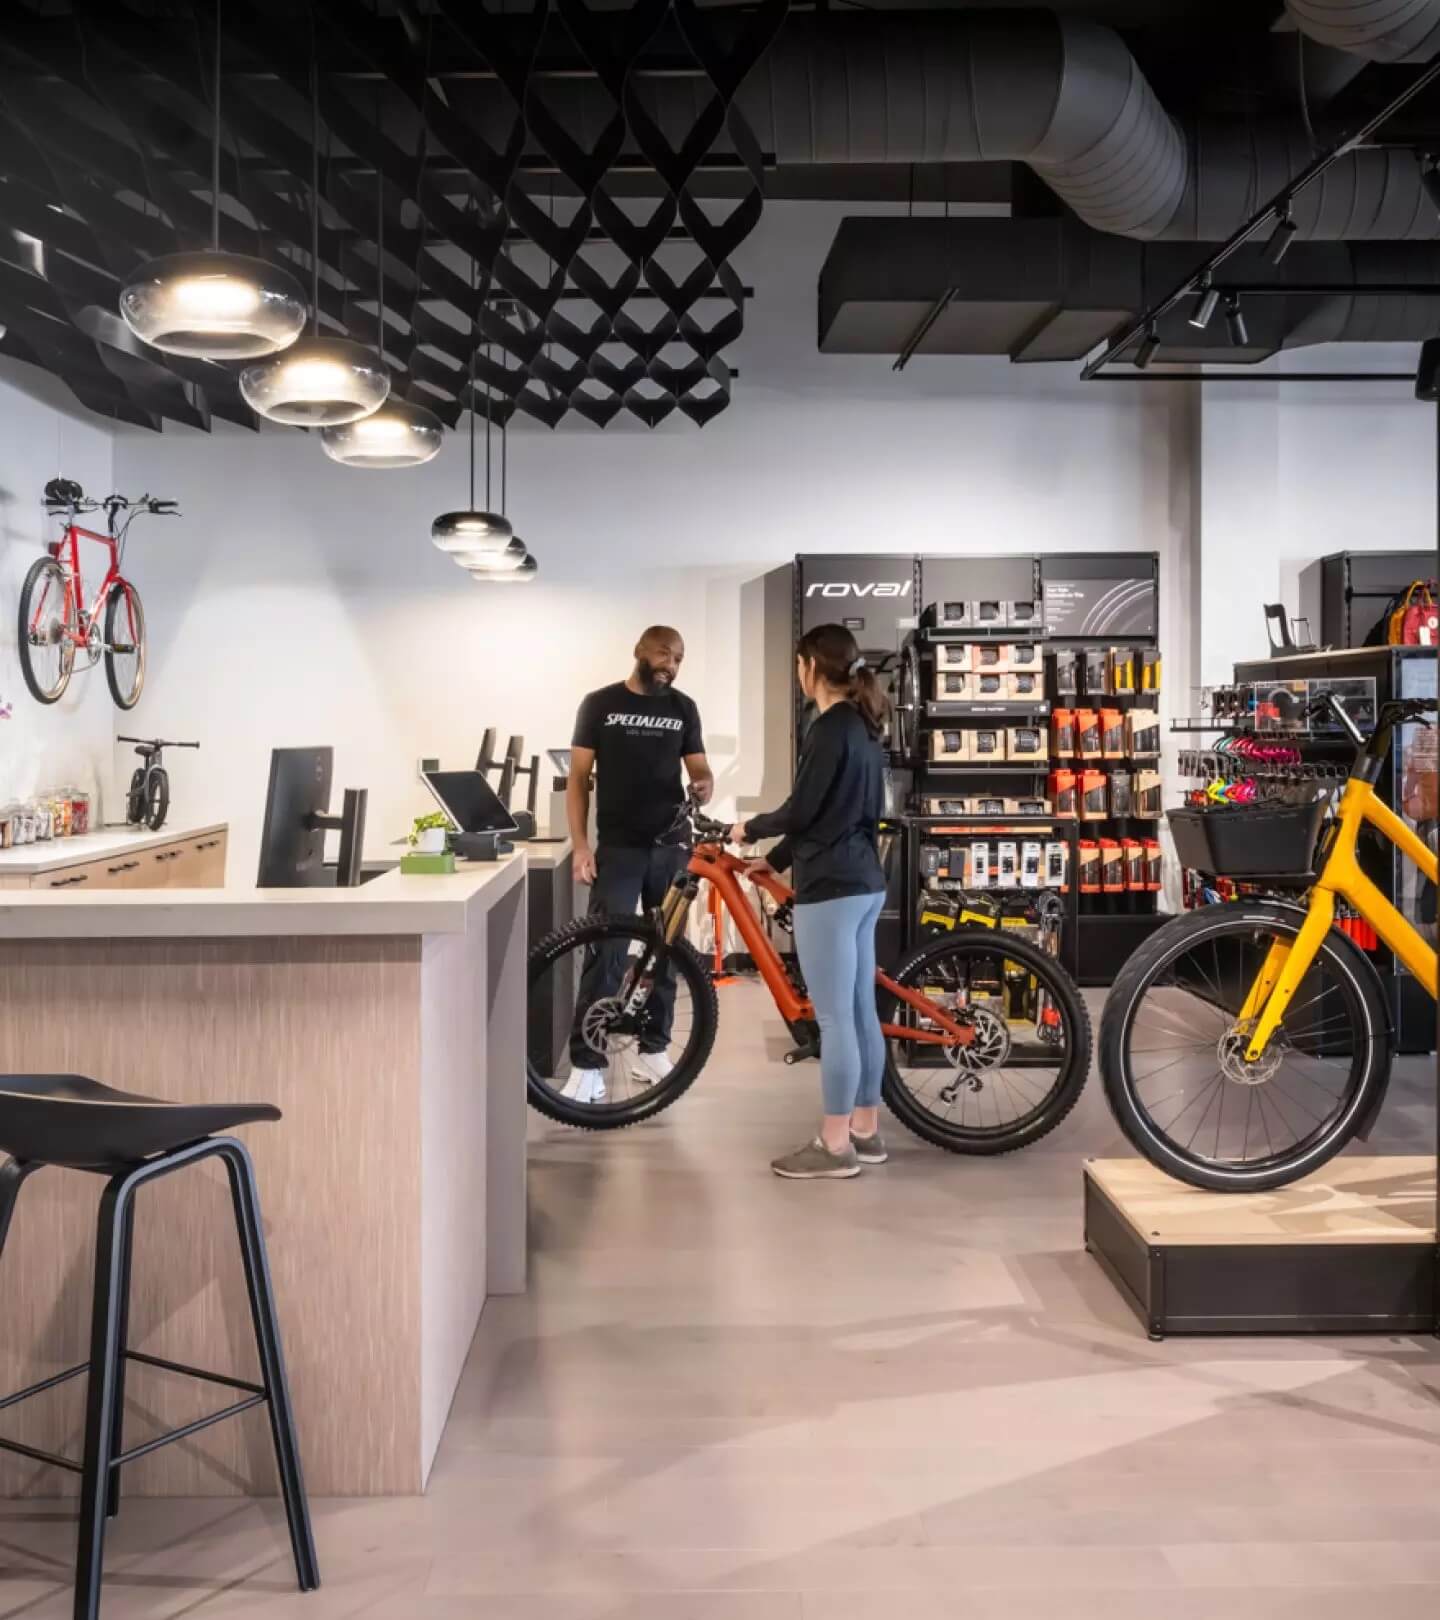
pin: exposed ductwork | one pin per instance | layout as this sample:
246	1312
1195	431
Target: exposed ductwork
1378	30
1049	289
1066	97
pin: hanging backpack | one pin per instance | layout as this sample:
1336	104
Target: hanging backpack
1410	619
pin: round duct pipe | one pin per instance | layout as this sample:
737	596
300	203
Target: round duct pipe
1378	30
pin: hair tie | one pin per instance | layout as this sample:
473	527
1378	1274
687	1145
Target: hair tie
856	666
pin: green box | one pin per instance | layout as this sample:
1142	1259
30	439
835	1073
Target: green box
414	864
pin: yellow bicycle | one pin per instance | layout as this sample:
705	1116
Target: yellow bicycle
1246	1044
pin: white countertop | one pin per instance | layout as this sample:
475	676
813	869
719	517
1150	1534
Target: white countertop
26	860
389	904
548	852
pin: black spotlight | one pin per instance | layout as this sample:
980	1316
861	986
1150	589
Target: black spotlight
1427	373
1148	345
1430	178
1282	236
1202	312
1235	321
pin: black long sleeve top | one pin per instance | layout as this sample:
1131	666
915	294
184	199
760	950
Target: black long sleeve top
828	824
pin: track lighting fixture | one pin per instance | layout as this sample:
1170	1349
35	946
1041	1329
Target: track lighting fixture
213	305
1235	321
1430	177
1148	345
1282	236
1205	307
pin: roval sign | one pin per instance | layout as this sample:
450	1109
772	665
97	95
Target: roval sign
842	587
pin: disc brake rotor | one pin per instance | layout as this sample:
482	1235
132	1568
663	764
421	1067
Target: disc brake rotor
989	1050
605	1028
1230	1051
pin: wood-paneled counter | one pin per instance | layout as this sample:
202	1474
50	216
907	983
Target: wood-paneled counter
119	858
387	1022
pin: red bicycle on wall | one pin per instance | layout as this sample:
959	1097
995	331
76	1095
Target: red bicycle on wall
55	625
987	1037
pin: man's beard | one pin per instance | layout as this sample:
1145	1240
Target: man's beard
651	678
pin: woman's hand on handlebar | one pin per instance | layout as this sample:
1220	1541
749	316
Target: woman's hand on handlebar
737	834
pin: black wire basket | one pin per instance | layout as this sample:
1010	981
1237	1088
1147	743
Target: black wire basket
1248	840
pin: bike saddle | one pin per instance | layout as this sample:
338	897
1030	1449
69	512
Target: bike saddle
63	492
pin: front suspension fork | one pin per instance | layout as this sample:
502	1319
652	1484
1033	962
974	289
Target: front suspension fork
1282	973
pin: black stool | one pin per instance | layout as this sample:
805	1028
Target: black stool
78	1124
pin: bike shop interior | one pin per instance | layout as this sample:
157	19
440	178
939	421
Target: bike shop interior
1083	362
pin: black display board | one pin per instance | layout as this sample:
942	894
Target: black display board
1101	596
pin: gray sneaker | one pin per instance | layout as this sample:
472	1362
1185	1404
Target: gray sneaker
815	1162
869	1149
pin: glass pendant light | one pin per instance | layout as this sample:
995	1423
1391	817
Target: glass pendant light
399	434
521	575
214	306
489	561
319	382
470	533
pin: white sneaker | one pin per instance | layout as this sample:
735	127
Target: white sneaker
589	1085
653	1067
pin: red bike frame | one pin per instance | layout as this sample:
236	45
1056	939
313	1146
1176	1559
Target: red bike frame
80	626
719	867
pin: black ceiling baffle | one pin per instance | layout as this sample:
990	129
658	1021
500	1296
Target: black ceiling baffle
603	301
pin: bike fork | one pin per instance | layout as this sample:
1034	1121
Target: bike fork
1284	969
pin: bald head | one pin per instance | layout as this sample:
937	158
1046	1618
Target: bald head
659	654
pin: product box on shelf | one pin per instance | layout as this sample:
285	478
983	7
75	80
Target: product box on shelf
1007	865
1026	656
1094	796
1149	671
989	615
1089	743
949	747
952	686
1089	867
1026	743
953	655
1122	799
1153	880
1112	733
991	655
980	865
1027	807
1027	686
1067	673
1120	671
1032	863
1065	793
987	743
1135	879
947	806
1148	795
952	615
989	686
1112	866
1062	733
988	804
1026	614
1142	734
1096	673
1057	866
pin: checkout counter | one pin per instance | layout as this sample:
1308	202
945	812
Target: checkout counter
388	1022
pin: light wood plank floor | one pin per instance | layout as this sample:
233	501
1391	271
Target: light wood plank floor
731	1398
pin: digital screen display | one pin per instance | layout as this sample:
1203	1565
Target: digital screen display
469	800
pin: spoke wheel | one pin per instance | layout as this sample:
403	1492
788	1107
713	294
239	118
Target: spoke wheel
157	799
1172	1048
125	645
45	633
603	1051
1029	1058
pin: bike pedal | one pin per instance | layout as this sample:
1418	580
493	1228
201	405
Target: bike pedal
800	1053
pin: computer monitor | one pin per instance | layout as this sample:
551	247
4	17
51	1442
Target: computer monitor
292	840
470	802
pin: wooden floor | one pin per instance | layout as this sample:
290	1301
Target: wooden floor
903	1397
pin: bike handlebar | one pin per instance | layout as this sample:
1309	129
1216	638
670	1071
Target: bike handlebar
157	742
1393	712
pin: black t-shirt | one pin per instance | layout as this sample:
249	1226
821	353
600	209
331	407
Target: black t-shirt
639	742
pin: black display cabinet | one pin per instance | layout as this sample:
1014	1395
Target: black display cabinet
1343	596
1398	672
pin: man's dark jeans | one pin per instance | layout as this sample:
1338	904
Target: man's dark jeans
626	880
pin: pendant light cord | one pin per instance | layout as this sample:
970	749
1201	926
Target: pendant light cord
379	246
472	382
215	144
314	176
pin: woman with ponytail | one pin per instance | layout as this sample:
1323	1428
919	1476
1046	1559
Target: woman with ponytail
827	829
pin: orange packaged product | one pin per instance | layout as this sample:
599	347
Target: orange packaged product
1094	796
1064	795
1112	866
1089	867
1112	733
1087	735
1152	865
1135	874
1062	733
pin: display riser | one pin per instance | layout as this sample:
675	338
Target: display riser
1107	943
1351	1249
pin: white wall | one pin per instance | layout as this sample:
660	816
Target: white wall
68	743
302	602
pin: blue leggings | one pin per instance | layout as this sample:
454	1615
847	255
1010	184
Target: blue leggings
836	942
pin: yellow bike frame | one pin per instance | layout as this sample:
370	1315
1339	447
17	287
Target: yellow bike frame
1286	964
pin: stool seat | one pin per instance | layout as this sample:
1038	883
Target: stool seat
77	1123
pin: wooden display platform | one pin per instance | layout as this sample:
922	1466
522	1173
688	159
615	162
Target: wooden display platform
1351	1249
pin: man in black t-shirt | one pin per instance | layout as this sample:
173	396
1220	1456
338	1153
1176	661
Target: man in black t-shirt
634	736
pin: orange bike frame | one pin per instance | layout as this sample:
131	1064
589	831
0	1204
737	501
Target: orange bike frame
722	869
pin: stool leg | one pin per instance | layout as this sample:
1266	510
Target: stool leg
272	1361
12	1178
127	1245
100	1413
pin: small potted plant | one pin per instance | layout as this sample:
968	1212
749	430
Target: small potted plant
427	836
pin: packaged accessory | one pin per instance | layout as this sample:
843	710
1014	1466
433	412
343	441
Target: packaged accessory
1152	865
1120	670
1135	865
1057	867
1064	794
952	615
949	747
1032	859
1025	655
947	807
980	866
1026	742
957	863
1147	795
1089	867
990	655
1112	866
1088	742
1026	613
1027	685
1094	800
1112	733
989	686
1067	673
929	862
1062	733
1142	734
987	743
1122	801
953	655
990	806
1095	672
951	685
1027	807
1007	866
1149	669
988	615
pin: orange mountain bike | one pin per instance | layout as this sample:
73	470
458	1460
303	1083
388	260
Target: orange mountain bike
987	1037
